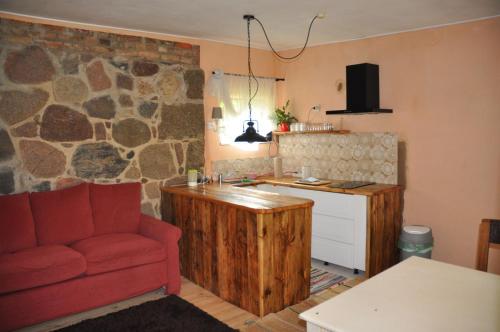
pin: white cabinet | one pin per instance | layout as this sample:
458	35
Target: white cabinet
338	225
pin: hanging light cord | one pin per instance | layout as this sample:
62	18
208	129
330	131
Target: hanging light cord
286	57
250	75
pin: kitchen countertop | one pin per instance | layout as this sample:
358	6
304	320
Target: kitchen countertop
289	182
246	198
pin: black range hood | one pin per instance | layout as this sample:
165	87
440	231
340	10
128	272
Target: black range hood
362	90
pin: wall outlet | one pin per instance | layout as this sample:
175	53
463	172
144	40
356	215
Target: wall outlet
316	108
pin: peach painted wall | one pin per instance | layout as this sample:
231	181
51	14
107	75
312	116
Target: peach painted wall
231	59
444	87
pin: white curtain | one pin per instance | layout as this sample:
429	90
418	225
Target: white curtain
232	93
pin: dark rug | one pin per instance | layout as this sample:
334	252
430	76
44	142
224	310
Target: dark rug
169	314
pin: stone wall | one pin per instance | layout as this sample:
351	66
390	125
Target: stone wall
77	105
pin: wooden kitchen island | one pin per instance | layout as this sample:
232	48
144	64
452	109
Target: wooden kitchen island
248	247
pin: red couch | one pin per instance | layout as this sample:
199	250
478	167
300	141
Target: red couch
70	250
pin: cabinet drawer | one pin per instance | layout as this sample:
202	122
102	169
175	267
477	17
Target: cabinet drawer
333	204
332	252
333	228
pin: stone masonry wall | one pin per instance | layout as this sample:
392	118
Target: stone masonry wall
78	105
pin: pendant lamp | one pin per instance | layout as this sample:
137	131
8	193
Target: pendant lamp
250	135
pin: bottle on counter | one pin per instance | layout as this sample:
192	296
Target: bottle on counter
278	167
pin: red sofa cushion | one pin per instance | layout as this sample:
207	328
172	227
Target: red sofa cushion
39	266
112	252
116	207
62	216
17	230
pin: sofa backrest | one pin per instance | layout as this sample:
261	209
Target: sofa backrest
17	229
116	207
62	216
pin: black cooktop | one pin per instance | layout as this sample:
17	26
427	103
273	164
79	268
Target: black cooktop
351	184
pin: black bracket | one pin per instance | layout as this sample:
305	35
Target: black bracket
248	17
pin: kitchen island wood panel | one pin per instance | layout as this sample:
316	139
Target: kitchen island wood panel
250	248
383	222
383	228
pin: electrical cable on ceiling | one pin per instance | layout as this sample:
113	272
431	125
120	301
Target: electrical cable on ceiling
303	48
250	71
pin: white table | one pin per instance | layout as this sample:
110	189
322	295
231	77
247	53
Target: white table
418	295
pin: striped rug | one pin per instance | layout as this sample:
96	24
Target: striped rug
321	279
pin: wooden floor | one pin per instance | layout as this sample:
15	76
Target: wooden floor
285	320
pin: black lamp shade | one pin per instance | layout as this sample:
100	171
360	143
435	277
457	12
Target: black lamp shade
216	113
250	135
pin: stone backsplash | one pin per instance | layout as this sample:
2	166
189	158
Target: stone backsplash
354	156
78	105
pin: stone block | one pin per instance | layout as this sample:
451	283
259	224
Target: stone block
100	131
182	121
41	159
62	124
98	79
195	155
101	107
147	109
179	153
142	68
31	65
29	129
156	161
98	160
131	133
124	82
70	64
42	186
169	85
152	190
70	89
195	80
6	148
125	101
133	173
16	106
7	184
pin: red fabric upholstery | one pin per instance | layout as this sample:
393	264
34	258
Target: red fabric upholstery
62	216
17	230
116	207
112	252
35	305
169	235
39	266
49	281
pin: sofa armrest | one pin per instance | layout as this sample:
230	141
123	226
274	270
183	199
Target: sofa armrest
159	230
169	235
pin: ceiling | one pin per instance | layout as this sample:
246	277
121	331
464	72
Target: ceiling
285	20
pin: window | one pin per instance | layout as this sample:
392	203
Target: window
233	96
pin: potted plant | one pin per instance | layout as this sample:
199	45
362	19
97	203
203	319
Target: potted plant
284	118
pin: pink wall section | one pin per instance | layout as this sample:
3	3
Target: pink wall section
231	59
444	87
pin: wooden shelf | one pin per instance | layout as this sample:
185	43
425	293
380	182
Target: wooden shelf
337	132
